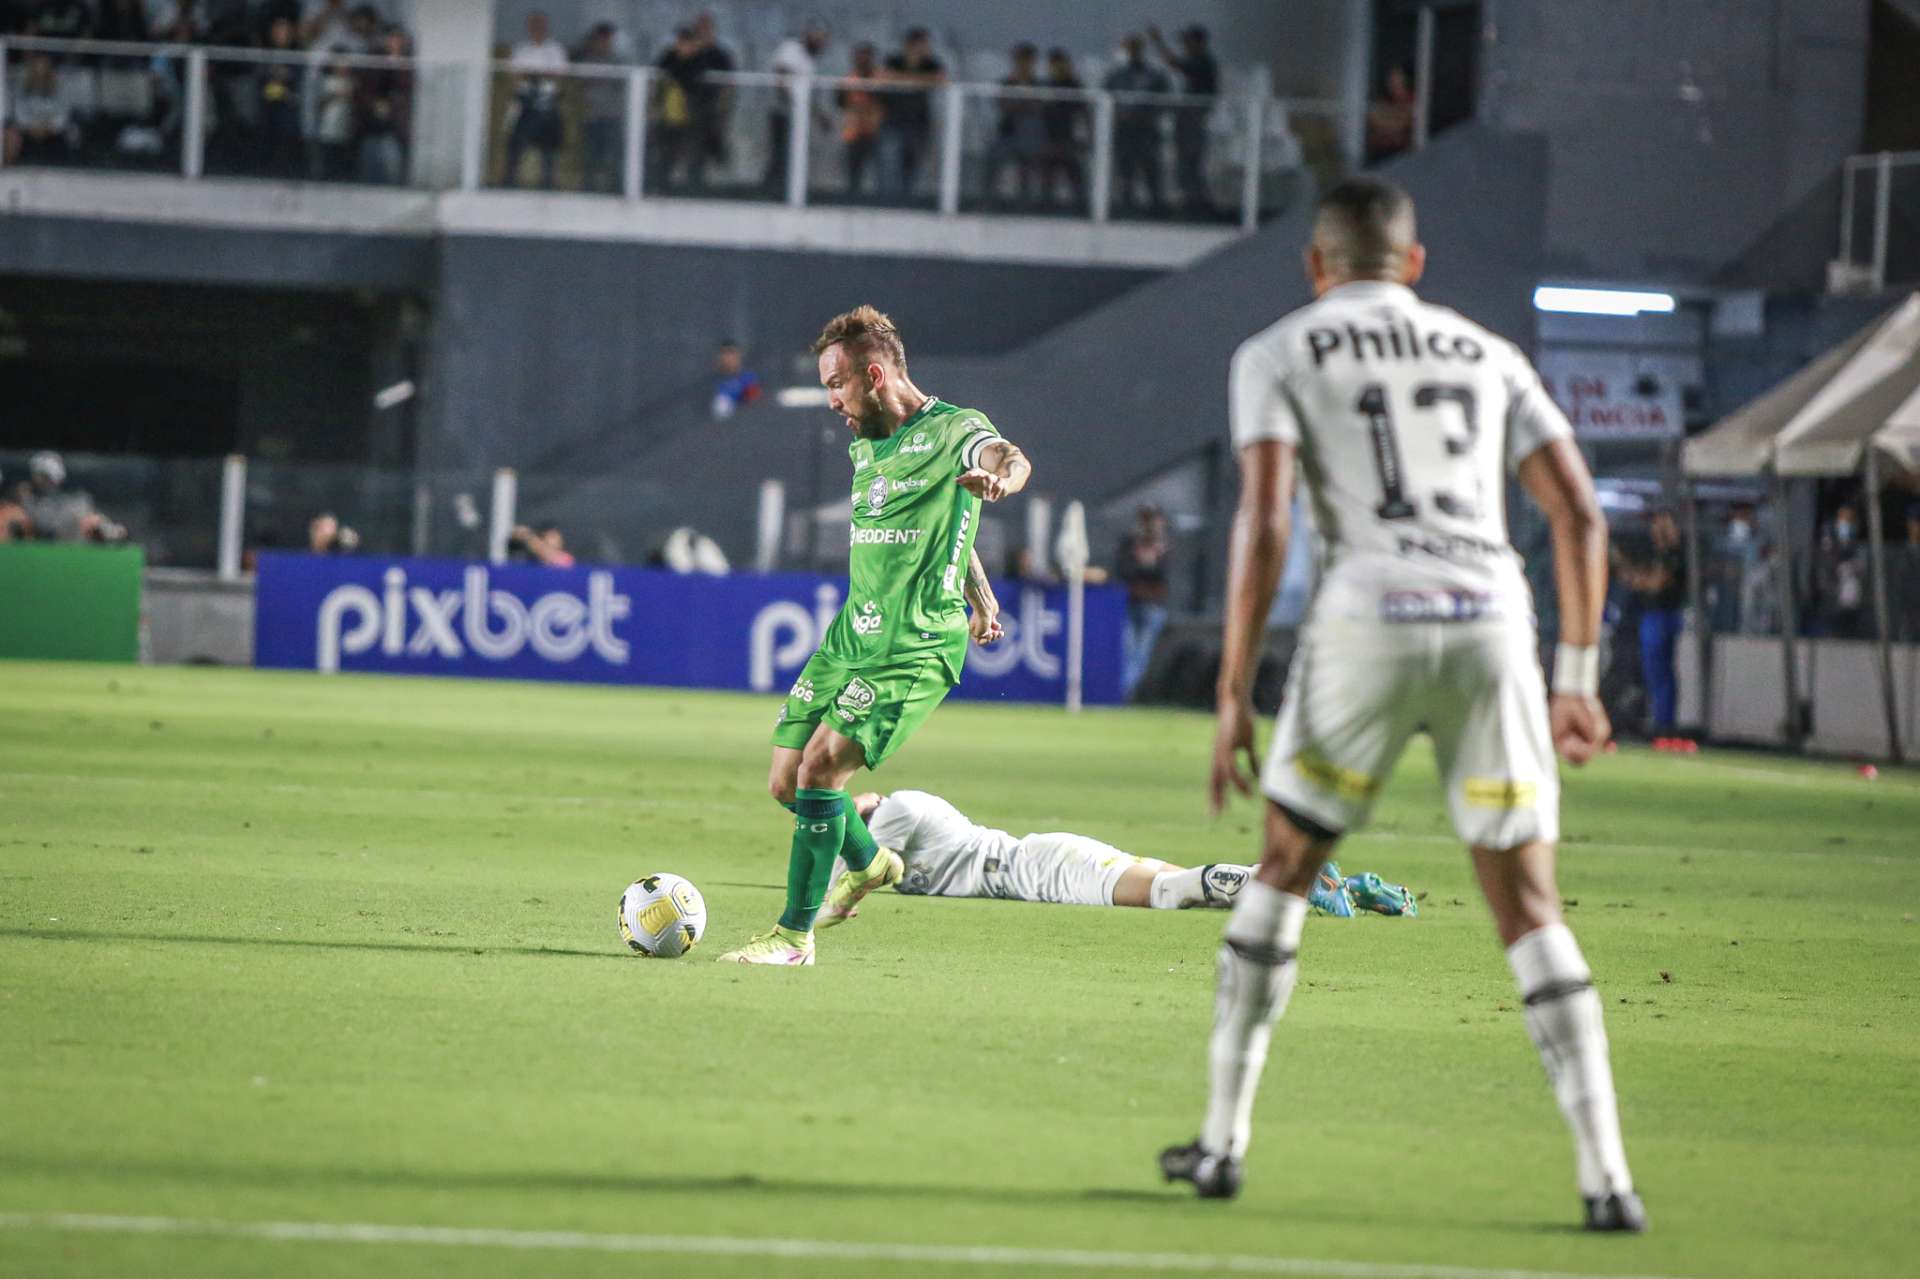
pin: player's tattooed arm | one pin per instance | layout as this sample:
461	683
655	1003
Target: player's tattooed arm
984	623
1003	471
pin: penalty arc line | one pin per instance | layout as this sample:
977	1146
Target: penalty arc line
793	1249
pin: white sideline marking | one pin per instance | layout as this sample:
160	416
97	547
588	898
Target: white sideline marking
730	1246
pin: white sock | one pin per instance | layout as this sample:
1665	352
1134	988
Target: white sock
1176	889
1563	1016
1257	972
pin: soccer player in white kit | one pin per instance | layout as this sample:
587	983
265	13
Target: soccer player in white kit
1404	419
946	855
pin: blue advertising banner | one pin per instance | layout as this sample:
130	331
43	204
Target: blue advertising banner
628	626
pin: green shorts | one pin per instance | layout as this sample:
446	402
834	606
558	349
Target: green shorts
878	707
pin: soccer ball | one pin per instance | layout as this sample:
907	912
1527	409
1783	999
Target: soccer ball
662	916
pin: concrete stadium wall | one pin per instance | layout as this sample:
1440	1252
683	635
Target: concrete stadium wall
563	352
1679	131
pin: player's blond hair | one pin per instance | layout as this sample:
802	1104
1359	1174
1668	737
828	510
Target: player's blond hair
866	332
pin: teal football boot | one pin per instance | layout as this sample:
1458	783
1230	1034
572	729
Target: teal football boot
1370	892
1329	893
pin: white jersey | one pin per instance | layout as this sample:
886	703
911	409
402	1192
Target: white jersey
1407	417
948	856
945	854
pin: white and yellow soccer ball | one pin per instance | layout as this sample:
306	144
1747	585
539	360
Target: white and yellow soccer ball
662	916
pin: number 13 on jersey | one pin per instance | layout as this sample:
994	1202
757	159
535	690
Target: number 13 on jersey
1443	413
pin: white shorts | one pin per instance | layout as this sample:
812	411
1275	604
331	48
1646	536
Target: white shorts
1070	870
1358	690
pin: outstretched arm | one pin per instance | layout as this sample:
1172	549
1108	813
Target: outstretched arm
984	624
1556	478
1003	470
1261	527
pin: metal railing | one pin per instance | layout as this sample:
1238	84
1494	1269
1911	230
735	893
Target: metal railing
952	148
636	133
206	111
1879	220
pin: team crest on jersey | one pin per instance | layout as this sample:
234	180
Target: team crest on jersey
877	494
918	444
868	620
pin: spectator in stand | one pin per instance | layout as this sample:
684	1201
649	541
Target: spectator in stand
796	56
326	535
1067	131
275	94
58	513
603	101
906	132
365	31
1840	571
40	128
546	546
1020	142
863	112
1905	605
737	384
383	112
677	155
535	113
182	20
1390	117
264	12
1660	579
1199	74
712	100
328	25
333	123
1136	128
1141	564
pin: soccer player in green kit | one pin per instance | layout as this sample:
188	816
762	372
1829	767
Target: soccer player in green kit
921	468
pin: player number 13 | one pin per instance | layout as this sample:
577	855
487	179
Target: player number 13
1373	405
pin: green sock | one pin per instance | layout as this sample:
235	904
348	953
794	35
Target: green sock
858	849
819	828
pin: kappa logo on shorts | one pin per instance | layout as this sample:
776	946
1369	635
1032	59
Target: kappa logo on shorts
856	698
868	620
877	494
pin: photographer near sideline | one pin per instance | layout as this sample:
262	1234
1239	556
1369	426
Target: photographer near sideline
55	513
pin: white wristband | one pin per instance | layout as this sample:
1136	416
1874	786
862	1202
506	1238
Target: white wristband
1576	669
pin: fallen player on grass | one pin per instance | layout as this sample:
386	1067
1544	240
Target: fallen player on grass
943	854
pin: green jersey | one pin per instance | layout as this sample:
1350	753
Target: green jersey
913	529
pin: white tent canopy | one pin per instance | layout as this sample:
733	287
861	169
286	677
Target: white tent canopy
1855	409
1820	422
1899	440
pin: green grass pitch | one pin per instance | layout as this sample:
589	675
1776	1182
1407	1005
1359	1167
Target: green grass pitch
286	948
